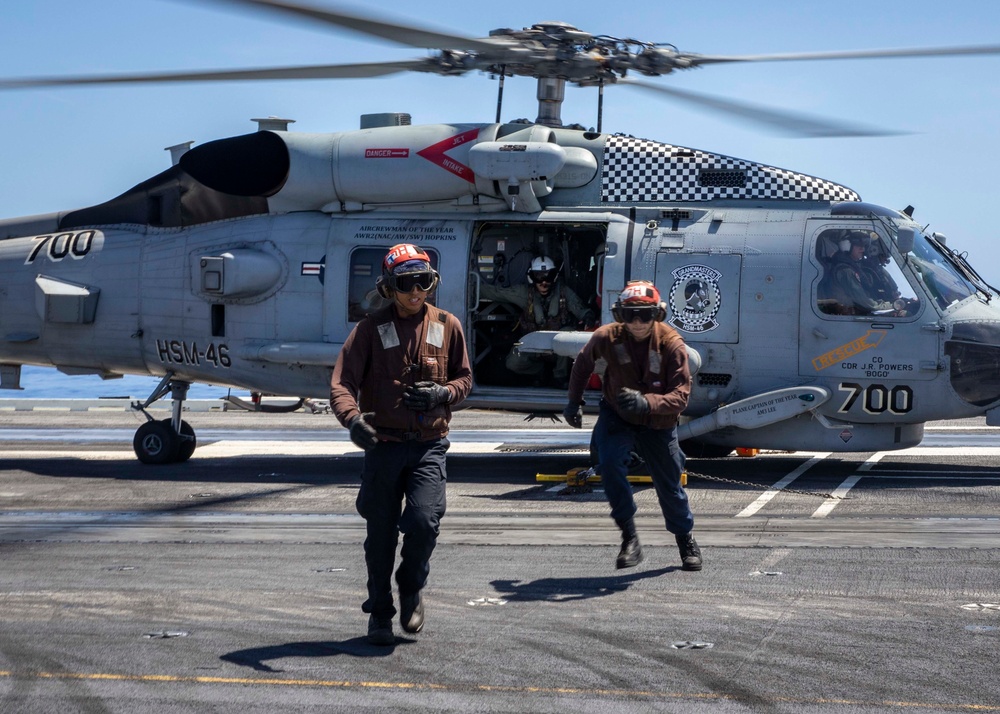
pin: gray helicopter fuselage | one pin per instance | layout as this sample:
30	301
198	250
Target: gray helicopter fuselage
251	272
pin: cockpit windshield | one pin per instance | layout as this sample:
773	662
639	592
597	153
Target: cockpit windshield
938	273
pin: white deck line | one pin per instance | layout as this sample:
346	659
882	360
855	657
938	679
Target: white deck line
840	492
779	486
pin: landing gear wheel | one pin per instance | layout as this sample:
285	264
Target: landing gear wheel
155	443
186	442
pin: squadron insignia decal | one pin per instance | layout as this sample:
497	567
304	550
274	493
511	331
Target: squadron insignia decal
695	298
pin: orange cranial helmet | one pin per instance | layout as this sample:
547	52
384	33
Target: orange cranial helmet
404	267
399	255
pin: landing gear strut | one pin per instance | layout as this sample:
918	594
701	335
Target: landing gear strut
168	440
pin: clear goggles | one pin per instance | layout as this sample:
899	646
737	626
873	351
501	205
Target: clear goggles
422	281
642	314
543	276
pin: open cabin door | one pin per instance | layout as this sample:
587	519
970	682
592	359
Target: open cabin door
501	256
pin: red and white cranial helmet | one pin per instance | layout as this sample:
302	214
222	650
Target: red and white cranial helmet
639	293
405	258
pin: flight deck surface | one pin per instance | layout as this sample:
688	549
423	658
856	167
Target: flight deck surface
234	581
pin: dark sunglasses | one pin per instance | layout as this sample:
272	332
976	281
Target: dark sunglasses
405	283
642	314
543	276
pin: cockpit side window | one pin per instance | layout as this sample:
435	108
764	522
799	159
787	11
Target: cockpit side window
859	276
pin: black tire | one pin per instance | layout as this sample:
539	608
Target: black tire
186	443
155	443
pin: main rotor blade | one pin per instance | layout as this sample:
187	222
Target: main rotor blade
332	71
788	123
697	59
402	34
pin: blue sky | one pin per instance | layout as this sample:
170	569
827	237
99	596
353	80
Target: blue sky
67	148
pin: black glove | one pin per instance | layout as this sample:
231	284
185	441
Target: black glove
424	396
573	414
362	433
632	403
589	320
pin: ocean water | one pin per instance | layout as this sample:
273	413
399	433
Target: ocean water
49	383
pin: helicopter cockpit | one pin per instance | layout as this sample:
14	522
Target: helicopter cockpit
860	276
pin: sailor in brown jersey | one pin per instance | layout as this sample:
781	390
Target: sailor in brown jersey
645	388
398	374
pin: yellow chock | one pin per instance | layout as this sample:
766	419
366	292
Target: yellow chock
579	476
747	453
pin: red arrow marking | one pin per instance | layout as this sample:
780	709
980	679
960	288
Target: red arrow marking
436	154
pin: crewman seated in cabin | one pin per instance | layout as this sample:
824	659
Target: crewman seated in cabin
546	304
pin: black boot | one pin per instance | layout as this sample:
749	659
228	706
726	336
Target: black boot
630	554
380	631
690	552
411	612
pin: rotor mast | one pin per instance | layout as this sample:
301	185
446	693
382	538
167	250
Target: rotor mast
551	92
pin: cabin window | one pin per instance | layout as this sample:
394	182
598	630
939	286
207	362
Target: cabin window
860	277
365	267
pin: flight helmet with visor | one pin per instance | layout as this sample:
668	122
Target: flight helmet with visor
543	270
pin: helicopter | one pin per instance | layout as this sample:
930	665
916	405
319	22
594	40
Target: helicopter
248	262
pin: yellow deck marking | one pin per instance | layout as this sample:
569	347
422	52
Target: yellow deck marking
344	684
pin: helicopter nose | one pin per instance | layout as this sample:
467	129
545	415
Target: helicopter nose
974	352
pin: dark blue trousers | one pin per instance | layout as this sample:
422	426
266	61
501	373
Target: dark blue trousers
615	439
402	490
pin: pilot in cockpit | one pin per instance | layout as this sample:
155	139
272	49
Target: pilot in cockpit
859	284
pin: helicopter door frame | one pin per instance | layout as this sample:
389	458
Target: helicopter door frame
501	251
877	366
